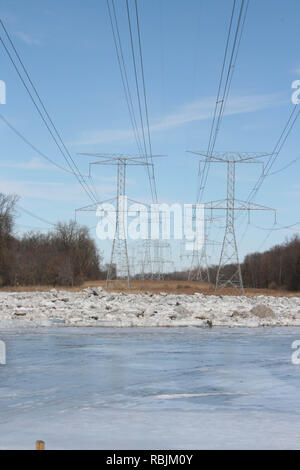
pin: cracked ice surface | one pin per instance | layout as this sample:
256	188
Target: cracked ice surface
96	307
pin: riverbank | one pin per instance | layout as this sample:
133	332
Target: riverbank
97	307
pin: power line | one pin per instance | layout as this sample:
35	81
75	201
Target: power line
39	152
55	135
139	133
273	157
276	151
233	58
30	227
138	96
265	239
222	98
221	78
281	227
285	166
136	78
145	97
123	72
26	211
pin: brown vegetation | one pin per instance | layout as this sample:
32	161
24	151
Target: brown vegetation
155	287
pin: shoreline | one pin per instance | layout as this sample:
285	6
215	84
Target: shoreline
98	308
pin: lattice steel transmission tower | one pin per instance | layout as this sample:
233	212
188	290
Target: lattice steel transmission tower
146	261
153	259
229	269
199	268
118	269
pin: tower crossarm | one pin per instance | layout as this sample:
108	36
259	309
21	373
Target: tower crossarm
238	205
226	157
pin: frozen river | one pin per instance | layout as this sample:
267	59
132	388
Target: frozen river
152	388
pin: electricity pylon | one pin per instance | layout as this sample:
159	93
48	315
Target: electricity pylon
199	269
153	259
146	260
229	269
162	257
118	269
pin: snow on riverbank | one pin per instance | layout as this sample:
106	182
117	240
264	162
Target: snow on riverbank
96	307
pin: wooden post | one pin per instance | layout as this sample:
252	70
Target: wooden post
40	445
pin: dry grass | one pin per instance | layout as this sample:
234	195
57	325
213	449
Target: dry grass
171	287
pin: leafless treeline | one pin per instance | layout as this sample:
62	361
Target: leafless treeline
66	255
276	268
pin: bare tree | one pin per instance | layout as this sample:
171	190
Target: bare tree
7	212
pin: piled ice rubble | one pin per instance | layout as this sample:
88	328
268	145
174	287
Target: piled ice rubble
96	307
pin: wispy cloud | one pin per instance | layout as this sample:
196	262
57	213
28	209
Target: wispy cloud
190	112
32	164
26	38
52	191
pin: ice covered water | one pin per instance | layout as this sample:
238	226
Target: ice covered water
155	388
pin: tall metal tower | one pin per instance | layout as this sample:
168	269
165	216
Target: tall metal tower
199	269
153	259
199	266
146	260
164	253
118	269
229	269
119	253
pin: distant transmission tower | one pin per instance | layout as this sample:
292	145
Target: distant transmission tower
199	266
199	269
118	269
146	261
164	259
229	269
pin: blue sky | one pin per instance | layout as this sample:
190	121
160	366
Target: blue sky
68	48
